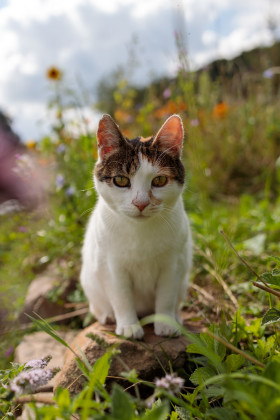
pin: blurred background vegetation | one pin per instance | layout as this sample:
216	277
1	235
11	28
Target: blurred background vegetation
231	117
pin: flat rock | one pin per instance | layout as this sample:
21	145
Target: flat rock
40	344
37	298
149	357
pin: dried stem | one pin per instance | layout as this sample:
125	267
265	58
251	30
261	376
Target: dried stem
56	318
233	348
267	289
46	388
35	398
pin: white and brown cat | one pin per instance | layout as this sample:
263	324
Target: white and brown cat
137	252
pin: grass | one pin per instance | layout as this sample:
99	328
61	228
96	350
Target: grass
233	186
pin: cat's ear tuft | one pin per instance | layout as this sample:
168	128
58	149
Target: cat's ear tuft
109	136
170	136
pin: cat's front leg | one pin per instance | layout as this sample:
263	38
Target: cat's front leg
121	298
167	300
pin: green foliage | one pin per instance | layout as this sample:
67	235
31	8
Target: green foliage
233	181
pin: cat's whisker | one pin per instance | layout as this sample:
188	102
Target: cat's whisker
167	223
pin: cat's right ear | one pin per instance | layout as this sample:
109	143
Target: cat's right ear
109	136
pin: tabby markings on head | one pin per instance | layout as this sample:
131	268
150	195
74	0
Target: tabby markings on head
125	160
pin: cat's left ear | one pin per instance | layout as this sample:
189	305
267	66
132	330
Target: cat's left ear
109	136
170	136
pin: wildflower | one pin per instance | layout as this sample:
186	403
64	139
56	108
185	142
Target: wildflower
269	73
53	73
30	144
70	191
28	381
22	229
61	148
38	363
170	382
220	110
9	351
60	181
166	93
194	122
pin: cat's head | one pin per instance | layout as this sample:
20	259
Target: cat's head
140	177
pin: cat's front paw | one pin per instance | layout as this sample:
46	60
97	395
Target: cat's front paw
130	331
165	330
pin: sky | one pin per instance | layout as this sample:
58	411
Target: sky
89	39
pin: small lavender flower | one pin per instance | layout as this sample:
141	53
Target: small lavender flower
194	122
60	181
61	148
70	191
28	381
171	383
268	74
166	93
38	363
9	351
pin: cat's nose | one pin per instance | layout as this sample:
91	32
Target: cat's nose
141	205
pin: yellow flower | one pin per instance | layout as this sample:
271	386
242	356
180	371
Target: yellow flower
30	144
53	73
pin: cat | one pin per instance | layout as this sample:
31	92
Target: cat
137	251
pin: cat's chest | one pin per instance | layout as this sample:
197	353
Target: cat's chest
140	242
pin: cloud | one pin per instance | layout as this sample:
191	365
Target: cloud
90	38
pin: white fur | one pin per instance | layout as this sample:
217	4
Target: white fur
137	263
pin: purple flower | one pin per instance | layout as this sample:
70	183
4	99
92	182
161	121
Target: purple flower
60	181
268	74
61	148
194	122
70	191
9	351
28	381
166	93
170	382
38	363
22	229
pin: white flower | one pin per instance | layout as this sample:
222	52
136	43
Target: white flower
170	382
38	363
28	381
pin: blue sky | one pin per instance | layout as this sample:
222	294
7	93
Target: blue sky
88	39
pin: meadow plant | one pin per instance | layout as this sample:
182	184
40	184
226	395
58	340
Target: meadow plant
231	156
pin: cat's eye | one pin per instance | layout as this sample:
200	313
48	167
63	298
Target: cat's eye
121	181
159	181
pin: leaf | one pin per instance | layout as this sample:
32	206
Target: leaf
234	362
96	378
203	344
222	413
157	413
275	259
213	391
201	375
271	278
271	316
122	406
183	413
